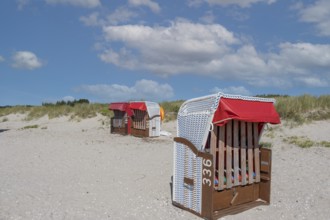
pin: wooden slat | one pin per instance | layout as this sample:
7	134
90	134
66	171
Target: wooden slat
250	151
221	157
256	151
243	152
140	121
144	120
213	146
236	157
229	153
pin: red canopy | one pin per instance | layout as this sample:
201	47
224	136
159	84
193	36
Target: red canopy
245	110
138	106
121	106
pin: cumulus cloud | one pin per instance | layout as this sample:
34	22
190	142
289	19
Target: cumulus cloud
153	6
211	50
234	90
92	19
2	59
26	60
141	90
240	3
167	50
22	3
78	3
313	82
318	14
119	16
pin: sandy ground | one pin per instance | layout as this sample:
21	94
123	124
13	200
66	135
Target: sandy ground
78	170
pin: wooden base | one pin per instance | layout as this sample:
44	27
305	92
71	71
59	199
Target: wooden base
117	130
237	209
231	201
140	132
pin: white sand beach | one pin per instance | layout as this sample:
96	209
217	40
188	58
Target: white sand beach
77	170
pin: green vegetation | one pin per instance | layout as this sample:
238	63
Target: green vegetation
266	144
305	142
300	141
30	126
301	109
294	109
325	143
171	109
76	110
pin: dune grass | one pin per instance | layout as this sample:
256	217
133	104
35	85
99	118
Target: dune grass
77	111
305	108
171	109
29	127
305	142
295	109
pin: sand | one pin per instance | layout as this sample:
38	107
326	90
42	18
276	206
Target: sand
78	170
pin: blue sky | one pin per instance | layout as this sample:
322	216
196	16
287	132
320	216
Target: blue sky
119	50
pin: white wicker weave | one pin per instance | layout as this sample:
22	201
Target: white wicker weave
194	123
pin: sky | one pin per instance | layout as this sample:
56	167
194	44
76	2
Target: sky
120	50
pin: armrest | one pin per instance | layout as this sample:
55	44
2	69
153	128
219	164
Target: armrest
186	142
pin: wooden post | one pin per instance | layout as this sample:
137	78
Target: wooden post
236	157
229	153
250	151
256	151
243	152
221	158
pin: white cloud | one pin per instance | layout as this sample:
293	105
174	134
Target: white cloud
234	90
153	6
2	59
313	82
208	18
68	98
318	14
119	16
167	50
26	60
211	51
195	3
302	60
141	90
240	3
22	3
78	3
92	20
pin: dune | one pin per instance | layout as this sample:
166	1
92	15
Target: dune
64	169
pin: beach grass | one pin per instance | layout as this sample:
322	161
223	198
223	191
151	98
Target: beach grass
305	108
305	142
29	127
294	109
77	111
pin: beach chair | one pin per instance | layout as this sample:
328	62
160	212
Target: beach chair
146	121
120	123
219	166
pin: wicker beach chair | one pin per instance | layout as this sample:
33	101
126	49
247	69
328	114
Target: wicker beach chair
219	166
